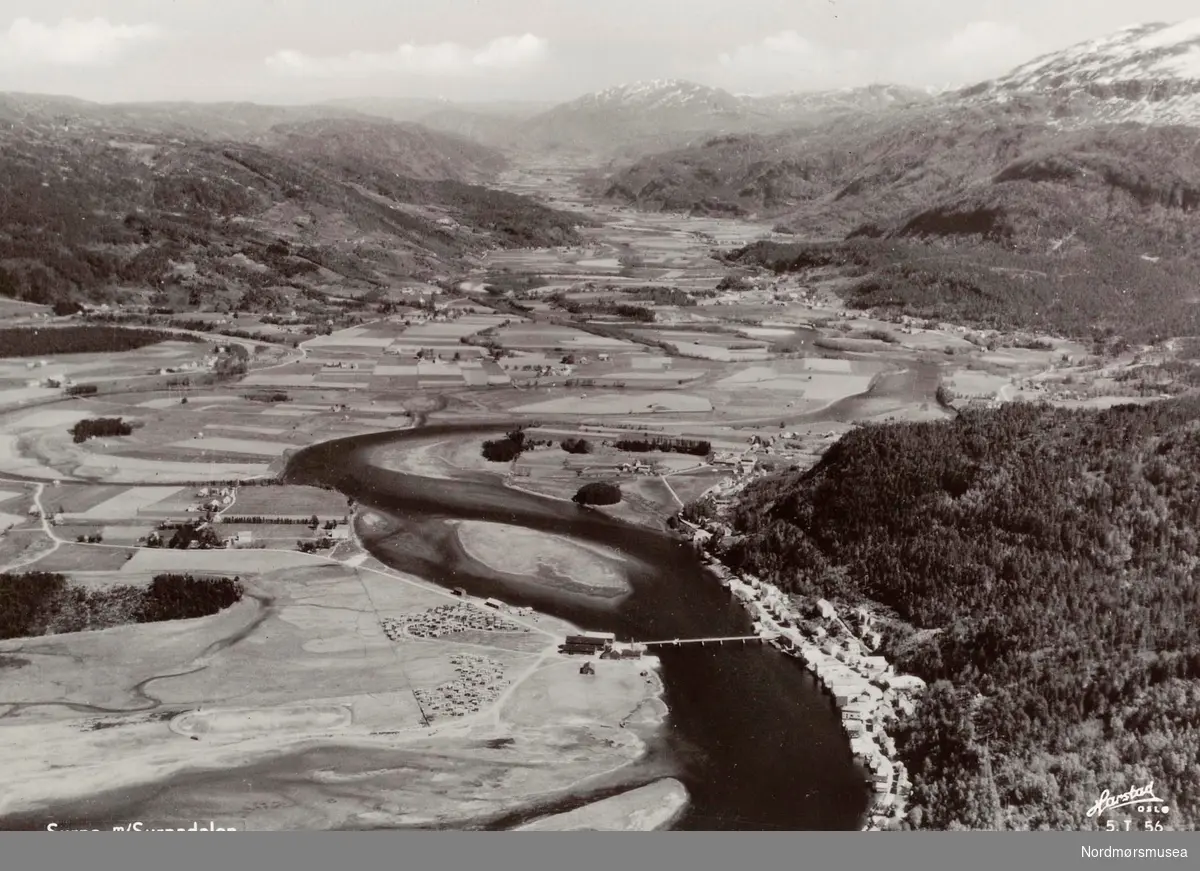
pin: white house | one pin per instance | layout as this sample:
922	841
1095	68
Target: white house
906	683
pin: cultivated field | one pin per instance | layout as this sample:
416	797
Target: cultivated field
319	687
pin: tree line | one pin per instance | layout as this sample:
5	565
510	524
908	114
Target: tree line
695	447
253	519
629	311
43	603
35	342
510	447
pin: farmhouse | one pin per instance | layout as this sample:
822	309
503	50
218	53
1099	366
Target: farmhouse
242	539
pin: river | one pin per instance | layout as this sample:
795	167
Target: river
751	735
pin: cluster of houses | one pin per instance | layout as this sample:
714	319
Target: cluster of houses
638	467
867	691
837	649
214	498
445	620
739	464
480	682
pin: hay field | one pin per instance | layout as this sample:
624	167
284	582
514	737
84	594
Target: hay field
257	430
275	378
227	561
128	503
254	447
338	340
72	557
619	403
818	386
78	498
536	337
974	383
288	500
717	353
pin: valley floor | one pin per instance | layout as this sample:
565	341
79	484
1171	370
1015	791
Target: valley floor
304	687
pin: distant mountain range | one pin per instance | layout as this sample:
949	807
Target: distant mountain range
1078	173
874	163
665	113
1090	152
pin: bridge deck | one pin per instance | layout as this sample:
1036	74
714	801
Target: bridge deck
674	642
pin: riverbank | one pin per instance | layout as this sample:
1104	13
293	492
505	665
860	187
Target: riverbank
864	688
648	808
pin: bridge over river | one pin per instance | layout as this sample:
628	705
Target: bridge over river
726	639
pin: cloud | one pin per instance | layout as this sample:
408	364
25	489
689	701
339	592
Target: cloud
71	42
786	61
983	49
979	50
440	59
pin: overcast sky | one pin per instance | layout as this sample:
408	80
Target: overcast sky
290	51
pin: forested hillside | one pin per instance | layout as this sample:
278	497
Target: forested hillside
95	211
987	215
1056	553
1102	288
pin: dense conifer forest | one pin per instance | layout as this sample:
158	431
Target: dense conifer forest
1042	567
45	603
33	342
695	447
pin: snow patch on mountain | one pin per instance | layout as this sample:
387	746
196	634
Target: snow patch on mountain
1147	73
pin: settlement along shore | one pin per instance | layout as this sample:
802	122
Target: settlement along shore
865	688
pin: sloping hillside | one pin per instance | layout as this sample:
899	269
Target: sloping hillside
999	205
405	149
94	210
1094	229
1057	552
